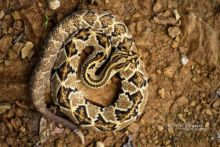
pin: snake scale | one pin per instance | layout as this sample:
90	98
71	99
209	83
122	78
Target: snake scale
113	54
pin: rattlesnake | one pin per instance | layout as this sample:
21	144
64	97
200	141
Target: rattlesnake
113	54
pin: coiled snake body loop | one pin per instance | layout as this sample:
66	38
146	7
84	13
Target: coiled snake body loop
113	54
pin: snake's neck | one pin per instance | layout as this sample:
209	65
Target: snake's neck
96	73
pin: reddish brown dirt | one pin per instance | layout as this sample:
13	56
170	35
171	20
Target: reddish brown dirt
183	106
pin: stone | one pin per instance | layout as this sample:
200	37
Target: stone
26	49
207	125
173	31
53	4
198	107
157	6
5	43
177	15
216	104
208	111
4	107
99	144
184	60
16	15
2	14
160	128
35	19
169	71
175	44
182	101
167	13
181	117
167	142
165	21
193	103
161	93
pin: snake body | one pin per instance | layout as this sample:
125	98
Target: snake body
113	54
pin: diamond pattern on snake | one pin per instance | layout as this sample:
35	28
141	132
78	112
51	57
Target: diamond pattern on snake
113	53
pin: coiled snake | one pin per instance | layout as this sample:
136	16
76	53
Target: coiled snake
113	54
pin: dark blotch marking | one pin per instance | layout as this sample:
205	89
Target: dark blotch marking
103	40
138	80
136	98
83	34
70	49
104	126
62	96
82	116
64	70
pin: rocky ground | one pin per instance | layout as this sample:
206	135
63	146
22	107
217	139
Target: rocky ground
179	43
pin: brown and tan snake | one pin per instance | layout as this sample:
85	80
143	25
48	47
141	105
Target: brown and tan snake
114	54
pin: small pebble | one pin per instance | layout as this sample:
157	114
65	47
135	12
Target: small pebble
160	127
216	104
182	101
207	125
169	71
208	111
2	14
193	103
198	107
16	15
175	44
167	142
173	31
4	107
53	4
26	49
181	117
99	144
184	59
177	16
165	21
193	79
161	93
157	6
